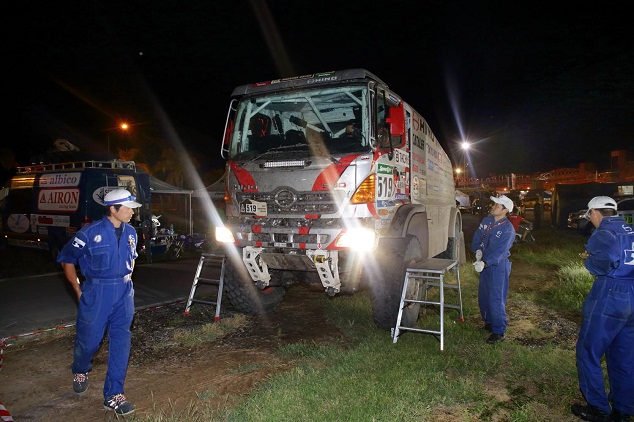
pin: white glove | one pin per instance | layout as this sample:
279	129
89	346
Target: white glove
478	255
479	266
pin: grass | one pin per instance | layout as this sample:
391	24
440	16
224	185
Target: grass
372	379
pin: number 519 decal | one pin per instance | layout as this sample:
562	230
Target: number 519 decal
385	186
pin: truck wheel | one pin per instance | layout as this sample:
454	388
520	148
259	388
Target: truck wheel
243	293
387	284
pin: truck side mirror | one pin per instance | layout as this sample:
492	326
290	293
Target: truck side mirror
396	120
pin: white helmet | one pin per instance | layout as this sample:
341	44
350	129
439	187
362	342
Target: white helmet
120	197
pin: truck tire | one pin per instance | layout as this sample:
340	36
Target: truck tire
244	295
387	284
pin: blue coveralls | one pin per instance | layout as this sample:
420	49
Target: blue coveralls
608	318
494	239
107	298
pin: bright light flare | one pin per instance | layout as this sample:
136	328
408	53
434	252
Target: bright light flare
357	239
224	235
465	145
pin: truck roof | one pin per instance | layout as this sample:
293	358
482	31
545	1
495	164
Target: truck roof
322	78
78	165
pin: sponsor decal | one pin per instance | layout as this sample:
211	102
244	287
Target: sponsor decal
252	207
58	200
101	192
384	169
50	220
55	180
78	243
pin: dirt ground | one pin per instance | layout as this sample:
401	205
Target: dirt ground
35	380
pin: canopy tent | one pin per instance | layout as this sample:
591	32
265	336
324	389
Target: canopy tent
159	187
215	191
463	199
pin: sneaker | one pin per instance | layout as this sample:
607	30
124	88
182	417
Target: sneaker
621	417
80	383
494	338
119	404
589	413
487	327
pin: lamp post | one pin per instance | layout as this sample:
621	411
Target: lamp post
465	145
121	126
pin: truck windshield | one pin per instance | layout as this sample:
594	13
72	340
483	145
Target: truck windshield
316	121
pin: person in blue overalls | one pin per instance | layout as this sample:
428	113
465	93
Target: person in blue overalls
105	251
608	317
492	243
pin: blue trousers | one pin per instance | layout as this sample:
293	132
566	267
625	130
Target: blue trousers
105	304
492	292
608	329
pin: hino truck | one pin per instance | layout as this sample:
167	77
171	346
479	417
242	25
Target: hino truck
332	179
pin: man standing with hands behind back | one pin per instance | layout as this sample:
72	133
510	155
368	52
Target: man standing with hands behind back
105	251
492	243
608	317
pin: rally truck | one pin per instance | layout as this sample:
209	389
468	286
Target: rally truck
332	179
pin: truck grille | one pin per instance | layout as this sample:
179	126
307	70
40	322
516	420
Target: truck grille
286	201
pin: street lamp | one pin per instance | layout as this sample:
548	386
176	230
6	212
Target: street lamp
465	145
122	126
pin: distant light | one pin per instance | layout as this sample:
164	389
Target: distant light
465	145
124	126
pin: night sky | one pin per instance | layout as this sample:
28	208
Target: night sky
537	86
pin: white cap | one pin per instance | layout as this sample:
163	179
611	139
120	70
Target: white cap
120	197
504	200
600	202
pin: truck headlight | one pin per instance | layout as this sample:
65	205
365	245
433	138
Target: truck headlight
224	235
358	239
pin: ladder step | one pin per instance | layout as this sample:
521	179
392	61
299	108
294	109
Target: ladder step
420	330
208	258
207	302
207	280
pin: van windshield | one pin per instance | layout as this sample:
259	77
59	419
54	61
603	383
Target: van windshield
305	122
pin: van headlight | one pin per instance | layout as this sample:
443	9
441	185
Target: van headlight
358	239
224	235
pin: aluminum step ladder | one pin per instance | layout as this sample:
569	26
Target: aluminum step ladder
207	259
428	274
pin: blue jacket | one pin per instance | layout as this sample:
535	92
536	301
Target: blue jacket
611	249
494	239
97	252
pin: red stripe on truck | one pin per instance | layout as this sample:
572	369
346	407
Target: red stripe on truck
328	177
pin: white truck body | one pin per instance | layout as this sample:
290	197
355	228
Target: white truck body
327	175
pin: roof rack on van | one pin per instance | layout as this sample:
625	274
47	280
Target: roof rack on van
112	164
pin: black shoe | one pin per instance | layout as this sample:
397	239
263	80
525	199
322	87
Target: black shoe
119	404
487	326
621	417
589	413
80	383
494	338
